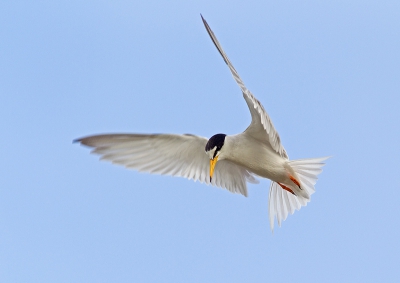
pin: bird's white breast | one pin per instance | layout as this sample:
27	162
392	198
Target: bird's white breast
255	156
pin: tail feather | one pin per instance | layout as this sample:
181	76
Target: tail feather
281	202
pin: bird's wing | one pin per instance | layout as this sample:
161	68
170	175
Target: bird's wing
167	154
261	126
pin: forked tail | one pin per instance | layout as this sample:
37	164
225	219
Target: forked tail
282	202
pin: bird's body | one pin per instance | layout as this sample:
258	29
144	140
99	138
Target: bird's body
264	162
224	161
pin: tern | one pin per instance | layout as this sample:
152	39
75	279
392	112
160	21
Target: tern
226	161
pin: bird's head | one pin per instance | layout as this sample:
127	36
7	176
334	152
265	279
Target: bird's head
214	148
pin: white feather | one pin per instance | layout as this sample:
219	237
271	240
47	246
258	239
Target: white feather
310	168
167	154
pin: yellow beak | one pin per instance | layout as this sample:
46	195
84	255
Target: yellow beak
213	162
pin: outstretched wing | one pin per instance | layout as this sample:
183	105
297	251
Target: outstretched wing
261	126
167	154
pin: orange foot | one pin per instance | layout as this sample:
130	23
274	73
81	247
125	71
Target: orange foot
286	188
295	181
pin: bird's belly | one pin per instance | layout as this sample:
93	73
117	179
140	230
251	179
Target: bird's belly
262	161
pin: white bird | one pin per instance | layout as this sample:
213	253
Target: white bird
224	161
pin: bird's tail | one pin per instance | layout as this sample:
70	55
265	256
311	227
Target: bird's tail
281	202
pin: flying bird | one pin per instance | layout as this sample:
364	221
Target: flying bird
226	161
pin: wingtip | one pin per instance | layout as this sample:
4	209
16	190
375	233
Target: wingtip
80	140
204	21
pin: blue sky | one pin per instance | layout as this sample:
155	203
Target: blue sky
328	74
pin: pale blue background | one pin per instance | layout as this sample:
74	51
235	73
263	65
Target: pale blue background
328	73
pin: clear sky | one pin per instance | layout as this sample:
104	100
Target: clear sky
327	72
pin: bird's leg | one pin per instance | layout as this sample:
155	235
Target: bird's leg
295	181
286	188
